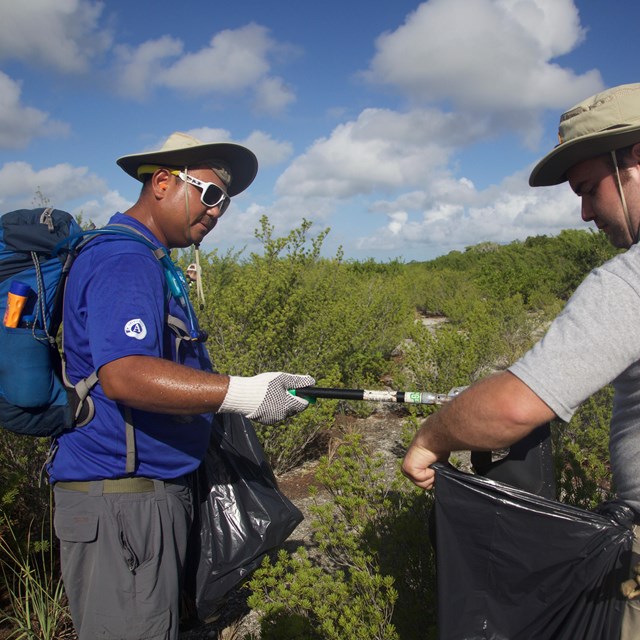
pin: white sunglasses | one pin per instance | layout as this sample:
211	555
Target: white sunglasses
212	195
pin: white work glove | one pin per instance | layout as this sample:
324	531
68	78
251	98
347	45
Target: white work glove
265	397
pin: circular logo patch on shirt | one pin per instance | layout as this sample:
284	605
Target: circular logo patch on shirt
135	329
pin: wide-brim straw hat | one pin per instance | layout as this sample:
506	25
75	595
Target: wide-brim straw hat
183	150
602	123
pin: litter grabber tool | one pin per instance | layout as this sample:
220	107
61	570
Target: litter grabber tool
368	395
527	465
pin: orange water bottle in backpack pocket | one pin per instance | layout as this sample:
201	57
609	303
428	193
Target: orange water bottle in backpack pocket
16	299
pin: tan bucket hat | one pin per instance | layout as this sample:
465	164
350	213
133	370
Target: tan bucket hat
607	121
183	150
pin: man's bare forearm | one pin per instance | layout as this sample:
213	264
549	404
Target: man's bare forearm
162	386
491	414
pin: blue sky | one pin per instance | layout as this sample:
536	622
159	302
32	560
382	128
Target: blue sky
407	128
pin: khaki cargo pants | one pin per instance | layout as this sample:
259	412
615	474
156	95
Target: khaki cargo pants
122	556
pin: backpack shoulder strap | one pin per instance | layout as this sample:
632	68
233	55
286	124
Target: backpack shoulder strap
177	286
74	244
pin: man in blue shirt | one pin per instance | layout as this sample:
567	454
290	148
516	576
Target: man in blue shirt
123	501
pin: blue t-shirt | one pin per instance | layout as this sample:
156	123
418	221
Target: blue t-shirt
116	305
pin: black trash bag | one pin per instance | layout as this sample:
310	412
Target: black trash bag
512	565
241	516
528	465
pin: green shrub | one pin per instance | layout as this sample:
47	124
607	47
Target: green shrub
374	576
581	448
300	599
30	577
23	487
456	354
290	310
541	267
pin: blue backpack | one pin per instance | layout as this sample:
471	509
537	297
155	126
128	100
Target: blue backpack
37	249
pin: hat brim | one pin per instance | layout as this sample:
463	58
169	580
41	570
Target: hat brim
552	169
242	162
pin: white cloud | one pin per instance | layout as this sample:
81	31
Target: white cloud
62	35
501	214
443	190
59	184
99	211
491	63
381	150
235	61
268	151
273	96
397	220
491	58
138	67
19	123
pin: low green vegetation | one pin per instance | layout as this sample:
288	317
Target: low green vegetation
37	605
375	574
358	325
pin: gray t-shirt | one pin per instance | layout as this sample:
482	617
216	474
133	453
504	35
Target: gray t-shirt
594	341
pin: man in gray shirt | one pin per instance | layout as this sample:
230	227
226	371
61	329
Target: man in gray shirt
596	338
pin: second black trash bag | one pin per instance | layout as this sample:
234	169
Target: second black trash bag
242	514
512	565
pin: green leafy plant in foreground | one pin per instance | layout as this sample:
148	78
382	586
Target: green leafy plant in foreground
344	596
22	492
581	448
36	596
372	578
300	599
